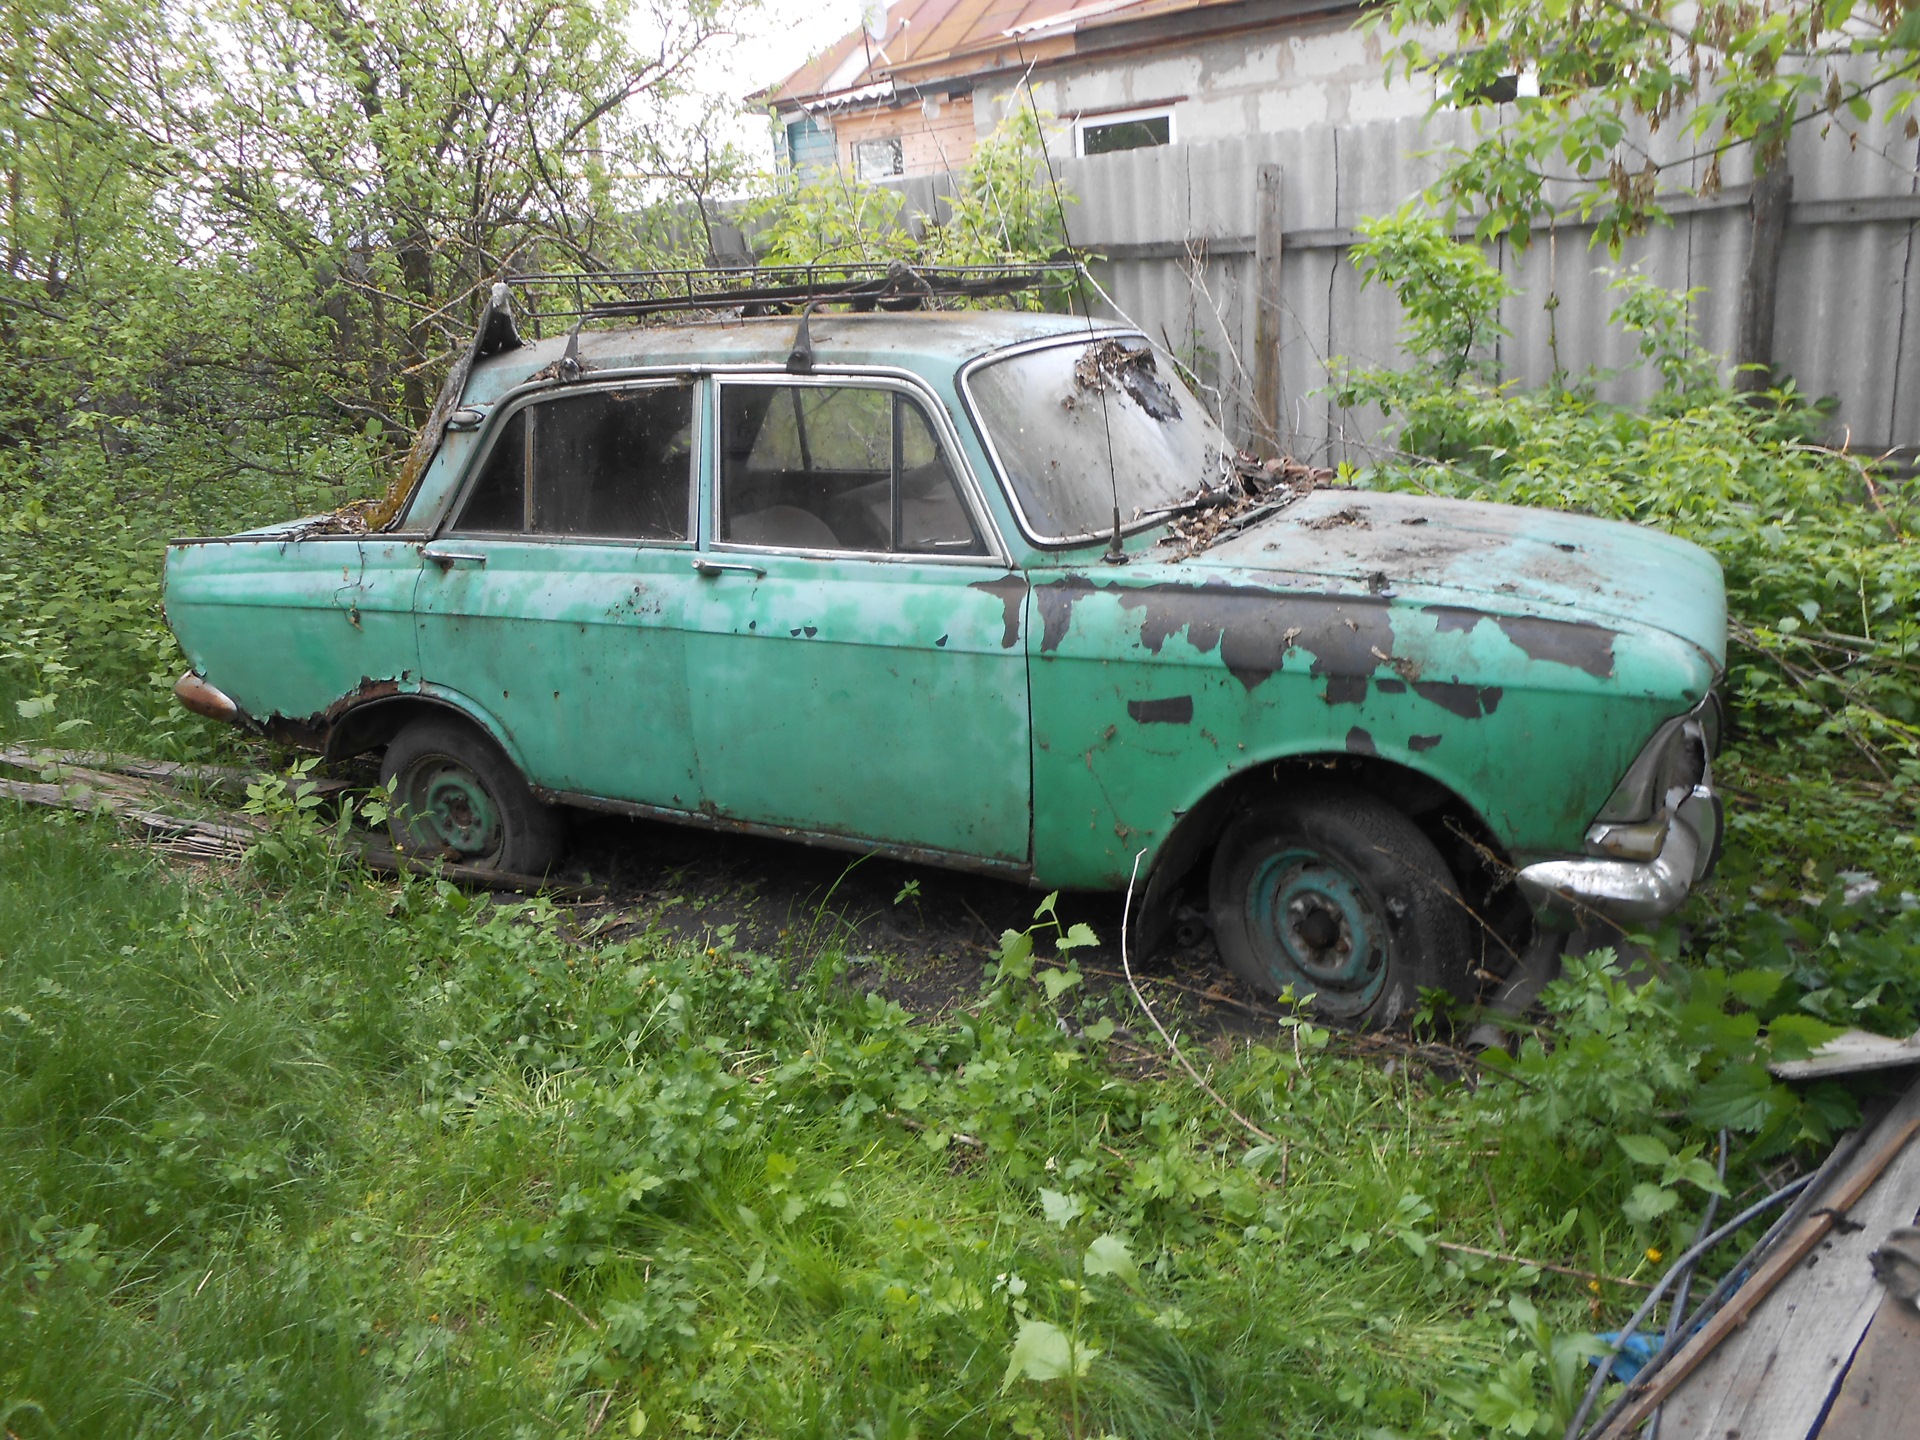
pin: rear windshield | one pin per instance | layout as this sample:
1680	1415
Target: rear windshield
1077	427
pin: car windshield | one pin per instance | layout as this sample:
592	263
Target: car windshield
1079	427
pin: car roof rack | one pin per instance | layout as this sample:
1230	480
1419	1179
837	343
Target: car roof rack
774	289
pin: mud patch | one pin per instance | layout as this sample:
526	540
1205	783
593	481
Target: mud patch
1346	515
1115	365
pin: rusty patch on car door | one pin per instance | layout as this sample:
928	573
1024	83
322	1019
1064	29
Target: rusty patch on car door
1010	591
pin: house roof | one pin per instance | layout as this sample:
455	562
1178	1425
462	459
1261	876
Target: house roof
933	40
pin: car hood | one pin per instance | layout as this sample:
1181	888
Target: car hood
1502	559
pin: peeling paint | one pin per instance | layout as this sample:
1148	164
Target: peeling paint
1360	742
1421	743
1579	643
1176	710
1469	702
1251	628
1011	592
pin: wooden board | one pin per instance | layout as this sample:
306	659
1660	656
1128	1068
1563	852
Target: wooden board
1880	1398
1773	1379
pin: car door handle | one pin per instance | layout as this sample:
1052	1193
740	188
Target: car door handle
447	559
717	567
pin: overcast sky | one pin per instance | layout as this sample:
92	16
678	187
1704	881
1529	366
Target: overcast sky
776	40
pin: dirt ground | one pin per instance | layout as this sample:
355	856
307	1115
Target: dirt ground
928	933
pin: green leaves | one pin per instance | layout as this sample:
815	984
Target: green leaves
1043	1351
1061	1210
1716	74
1108	1255
1017	956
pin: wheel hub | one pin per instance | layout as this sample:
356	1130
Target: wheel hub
1321	930
449	808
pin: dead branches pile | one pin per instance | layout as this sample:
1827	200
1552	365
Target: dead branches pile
1254	490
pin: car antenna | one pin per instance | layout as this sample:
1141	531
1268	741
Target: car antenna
1116	553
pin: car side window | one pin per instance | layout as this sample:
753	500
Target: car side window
609	464
838	467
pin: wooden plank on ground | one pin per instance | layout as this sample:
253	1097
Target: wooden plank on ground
1880	1398
227	779
90	798
1772	1380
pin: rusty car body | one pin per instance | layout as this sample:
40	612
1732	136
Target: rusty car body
920	591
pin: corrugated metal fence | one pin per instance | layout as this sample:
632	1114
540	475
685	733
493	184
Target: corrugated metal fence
1179	227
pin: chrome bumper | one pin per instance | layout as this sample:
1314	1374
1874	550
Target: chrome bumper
1627	892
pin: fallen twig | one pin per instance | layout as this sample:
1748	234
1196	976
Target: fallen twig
1591	1275
228	779
1126	918
586	1319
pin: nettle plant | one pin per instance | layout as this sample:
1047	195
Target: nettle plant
1821	559
1823	591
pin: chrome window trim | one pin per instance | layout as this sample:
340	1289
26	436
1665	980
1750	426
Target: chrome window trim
980	428
999	557
523	397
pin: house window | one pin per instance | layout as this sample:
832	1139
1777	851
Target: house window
809	145
878	159
1133	130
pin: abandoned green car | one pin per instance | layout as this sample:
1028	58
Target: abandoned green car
919	584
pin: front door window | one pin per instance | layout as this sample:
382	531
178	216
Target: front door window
837	467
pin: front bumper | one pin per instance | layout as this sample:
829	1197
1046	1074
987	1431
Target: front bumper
1629	892
1638	891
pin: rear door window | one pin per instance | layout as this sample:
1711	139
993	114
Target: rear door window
604	464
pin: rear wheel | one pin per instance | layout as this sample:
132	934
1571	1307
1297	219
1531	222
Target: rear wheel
1338	895
456	796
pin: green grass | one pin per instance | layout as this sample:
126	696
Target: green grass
293	1152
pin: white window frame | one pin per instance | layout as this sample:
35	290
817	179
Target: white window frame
1082	123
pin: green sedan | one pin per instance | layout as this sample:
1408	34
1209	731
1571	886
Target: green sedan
989	590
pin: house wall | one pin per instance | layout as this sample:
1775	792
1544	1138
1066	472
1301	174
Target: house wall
1314	72
935	136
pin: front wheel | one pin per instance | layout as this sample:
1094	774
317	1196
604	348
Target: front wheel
1338	895
455	795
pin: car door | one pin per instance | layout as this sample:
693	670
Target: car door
555	601
855	662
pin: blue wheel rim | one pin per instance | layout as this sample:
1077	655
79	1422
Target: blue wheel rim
444	806
1317	928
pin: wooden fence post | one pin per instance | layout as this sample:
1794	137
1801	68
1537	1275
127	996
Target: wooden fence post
1266	310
